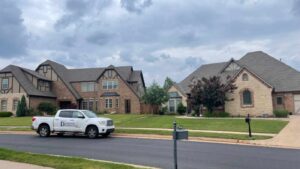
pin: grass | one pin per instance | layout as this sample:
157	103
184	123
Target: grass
194	134
15	121
58	162
156	121
217	124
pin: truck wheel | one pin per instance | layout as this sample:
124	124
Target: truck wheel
44	131
92	132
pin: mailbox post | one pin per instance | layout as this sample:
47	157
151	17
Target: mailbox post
248	120
178	134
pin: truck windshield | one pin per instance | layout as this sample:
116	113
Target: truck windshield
89	114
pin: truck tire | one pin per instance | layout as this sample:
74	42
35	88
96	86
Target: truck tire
92	132
44	130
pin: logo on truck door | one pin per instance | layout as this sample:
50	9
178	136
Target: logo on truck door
67	124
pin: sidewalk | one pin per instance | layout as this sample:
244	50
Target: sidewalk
16	165
288	137
200	131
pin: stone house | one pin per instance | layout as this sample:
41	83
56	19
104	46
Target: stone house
264	84
112	89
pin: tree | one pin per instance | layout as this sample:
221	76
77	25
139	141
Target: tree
211	92
22	107
168	83
47	107
155	96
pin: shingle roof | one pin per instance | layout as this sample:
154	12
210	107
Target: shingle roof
18	73
91	74
280	76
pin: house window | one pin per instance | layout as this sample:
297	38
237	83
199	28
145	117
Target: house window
117	103
5	84
84	105
245	77
91	104
97	105
108	103
109	84
44	86
173	103
247	98
15	104
3	105
279	100
88	86
174	94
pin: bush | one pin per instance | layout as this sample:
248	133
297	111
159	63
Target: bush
216	114
32	112
281	113
163	110
6	114
22	108
181	109
47	107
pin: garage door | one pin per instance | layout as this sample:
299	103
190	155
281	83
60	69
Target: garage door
297	104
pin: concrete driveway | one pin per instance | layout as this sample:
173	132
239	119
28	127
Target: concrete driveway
288	137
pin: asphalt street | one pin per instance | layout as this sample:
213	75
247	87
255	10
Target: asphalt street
158	153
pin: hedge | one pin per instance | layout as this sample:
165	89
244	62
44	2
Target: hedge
216	114
281	113
6	114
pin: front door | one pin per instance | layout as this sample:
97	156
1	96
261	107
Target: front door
127	106
297	104
64	104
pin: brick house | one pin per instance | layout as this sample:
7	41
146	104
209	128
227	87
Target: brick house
264	84
112	89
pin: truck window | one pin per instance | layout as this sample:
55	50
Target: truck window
76	114
66	114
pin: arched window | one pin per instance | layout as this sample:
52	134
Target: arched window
247	98
245	77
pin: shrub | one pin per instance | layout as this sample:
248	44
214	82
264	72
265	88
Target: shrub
181	109
32	112
47	107
22	108
163	110
6	114
281	113
216	114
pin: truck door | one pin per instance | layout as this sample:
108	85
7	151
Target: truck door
64	121
79	120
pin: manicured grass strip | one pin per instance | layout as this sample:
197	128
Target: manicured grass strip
194	134
15	129
217	124
15	121
156	121
58	162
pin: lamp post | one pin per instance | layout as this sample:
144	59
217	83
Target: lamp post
248	120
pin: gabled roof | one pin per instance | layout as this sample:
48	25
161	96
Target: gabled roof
271	71
69	76
29	88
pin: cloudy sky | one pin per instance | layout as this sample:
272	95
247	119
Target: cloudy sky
161	37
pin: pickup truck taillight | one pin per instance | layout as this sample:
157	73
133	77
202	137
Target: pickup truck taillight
33	119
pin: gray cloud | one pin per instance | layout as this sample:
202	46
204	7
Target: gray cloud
13	36
296	7
100	38
136	6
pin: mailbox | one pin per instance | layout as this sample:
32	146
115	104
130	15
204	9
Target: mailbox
181	134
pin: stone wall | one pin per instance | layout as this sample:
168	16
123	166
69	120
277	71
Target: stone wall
261	96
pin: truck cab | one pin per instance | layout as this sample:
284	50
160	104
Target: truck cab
75	121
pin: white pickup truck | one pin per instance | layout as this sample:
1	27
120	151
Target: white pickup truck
74	121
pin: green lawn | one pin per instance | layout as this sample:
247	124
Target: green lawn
155	121
194	134
15	121
226	124
58	162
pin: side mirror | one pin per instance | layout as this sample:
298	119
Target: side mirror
81	117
